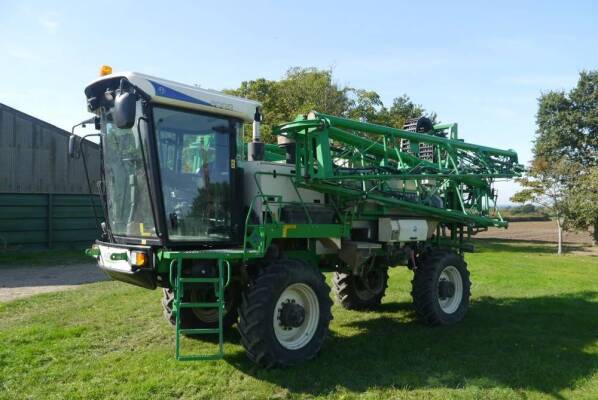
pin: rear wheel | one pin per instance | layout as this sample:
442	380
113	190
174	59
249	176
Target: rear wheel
361	292
285	314
202	317
441	288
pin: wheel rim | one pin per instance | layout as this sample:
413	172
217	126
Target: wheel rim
296	337
369	285
450	303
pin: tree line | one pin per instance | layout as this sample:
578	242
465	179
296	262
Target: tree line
302	90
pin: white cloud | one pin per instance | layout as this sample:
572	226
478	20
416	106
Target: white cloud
50	22
25	55
20	53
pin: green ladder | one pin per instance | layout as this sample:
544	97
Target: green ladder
219	286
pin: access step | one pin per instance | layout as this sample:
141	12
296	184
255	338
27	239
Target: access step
179	282
199	305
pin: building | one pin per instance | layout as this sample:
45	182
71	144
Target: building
44	197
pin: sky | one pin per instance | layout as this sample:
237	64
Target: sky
481	64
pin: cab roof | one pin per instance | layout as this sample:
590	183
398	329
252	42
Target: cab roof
167	92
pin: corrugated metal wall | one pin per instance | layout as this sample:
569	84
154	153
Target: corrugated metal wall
47	220
33	157
44	198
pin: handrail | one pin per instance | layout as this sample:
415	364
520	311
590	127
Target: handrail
228	274
170	279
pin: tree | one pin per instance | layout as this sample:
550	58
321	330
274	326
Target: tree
300	91
403	108
568	123
304	89
568	134
581	200
544	186
366	106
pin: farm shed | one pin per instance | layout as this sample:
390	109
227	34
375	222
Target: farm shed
44	198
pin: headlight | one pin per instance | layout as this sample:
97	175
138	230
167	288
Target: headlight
138	259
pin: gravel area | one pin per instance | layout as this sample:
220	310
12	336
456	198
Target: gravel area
23	281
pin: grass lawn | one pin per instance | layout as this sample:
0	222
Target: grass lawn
531	332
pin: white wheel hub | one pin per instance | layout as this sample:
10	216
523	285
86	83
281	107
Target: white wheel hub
296	316
451	277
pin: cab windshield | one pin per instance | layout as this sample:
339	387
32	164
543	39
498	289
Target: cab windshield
195	159
127	195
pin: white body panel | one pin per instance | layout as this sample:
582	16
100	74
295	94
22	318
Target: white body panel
179	94
114	265
270	185
402	230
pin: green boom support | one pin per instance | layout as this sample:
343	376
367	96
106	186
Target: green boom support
355	161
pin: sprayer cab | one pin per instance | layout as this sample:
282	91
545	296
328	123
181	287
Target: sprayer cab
169	159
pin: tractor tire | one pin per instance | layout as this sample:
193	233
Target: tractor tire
285	314
203	318
360	293
441	288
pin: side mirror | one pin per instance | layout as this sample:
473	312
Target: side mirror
124	110
72	146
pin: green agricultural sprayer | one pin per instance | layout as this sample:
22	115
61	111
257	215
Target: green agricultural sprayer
239	233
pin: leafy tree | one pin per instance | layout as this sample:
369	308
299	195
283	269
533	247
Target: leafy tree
528	208
581	202
403	108
544	186
300	91
304	89
366	106
264	91
568	133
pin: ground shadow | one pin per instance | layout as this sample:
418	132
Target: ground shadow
521	343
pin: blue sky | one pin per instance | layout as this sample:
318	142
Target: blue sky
481	64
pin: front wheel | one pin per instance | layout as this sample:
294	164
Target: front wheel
285	314
441	288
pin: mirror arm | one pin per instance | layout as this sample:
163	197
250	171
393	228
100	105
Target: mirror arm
84	122
71	150
82	152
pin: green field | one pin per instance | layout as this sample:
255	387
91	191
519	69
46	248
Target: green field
532	332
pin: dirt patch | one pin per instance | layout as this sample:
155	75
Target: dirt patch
23	281
540	231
